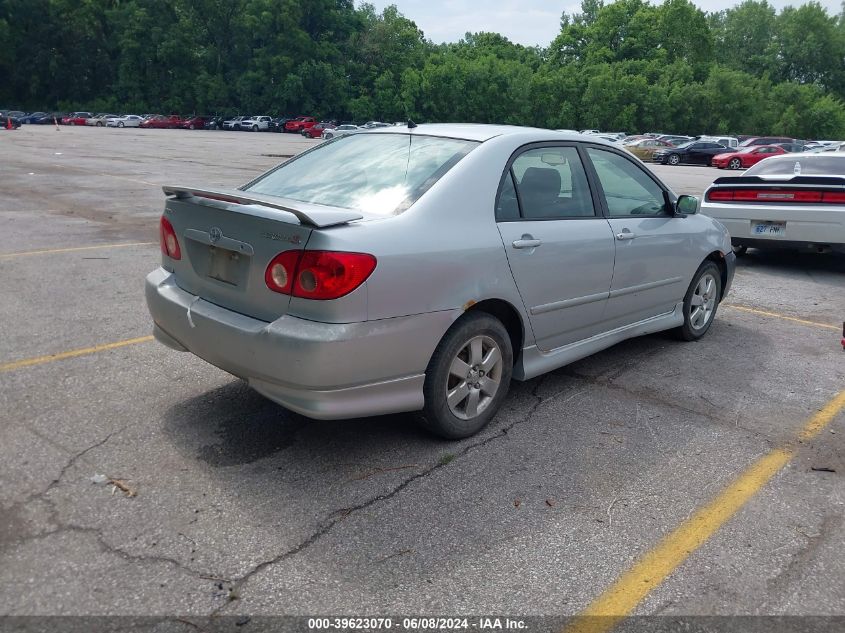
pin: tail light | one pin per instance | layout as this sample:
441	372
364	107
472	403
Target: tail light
776	195
318	275
281	271
169	243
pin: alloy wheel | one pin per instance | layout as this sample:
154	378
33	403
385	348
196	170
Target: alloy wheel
474	377
703	302
735	163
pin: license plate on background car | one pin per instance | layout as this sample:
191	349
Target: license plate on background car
223	265
768	228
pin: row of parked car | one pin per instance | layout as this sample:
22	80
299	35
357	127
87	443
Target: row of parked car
306	125
724	152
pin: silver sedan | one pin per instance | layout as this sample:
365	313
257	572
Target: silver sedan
422	269
127	120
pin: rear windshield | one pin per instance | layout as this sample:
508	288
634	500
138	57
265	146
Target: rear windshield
382	174
800	165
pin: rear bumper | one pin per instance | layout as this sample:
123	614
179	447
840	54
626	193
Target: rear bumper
806	225
321	370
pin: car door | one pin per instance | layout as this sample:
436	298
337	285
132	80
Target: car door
696	154
559	247
651	272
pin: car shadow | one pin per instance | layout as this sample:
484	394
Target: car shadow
235	425
787	260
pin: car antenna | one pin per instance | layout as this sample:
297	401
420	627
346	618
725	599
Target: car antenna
411	124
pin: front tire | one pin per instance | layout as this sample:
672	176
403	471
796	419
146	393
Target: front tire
254	128
674	159
701	302
735	164
120	124
468	377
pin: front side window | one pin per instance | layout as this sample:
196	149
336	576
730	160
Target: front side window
628	190
382	174
552	184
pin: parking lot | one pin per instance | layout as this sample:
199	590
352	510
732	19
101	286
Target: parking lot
734	446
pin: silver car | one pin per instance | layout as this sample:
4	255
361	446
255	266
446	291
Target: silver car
341	130
431	267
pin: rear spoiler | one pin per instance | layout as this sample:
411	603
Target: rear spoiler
315	215
818	181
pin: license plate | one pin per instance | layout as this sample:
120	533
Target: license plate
768	228
223	265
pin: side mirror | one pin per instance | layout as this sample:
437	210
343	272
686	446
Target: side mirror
686	205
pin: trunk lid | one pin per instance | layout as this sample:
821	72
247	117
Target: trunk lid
228	237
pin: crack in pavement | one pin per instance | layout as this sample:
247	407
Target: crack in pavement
322	530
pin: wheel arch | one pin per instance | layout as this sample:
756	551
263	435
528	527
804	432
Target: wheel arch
509	317
719	259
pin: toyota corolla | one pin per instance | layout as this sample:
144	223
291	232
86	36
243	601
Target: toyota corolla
423	268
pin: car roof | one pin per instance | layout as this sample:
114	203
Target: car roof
484	132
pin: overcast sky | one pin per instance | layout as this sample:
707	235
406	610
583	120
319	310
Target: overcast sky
527	22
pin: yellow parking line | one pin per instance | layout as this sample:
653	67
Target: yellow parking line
27	362
605	612
75	248
782	316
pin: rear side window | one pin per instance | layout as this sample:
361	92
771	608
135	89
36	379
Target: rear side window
628	190
507	206
383	174
552	184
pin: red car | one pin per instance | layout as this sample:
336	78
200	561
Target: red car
194	123
316	131
300	123
745	156
76	118
162	122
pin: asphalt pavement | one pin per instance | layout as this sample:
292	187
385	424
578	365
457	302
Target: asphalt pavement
136	480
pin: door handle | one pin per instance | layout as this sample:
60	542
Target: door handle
625	235
527	242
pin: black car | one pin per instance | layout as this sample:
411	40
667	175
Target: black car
215	123
278	124
694	153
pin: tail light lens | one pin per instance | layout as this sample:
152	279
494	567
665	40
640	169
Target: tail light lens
281	272
318	275
169	243
776	196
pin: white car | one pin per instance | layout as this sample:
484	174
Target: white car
787	201
727	141
127	120
341	130
256	123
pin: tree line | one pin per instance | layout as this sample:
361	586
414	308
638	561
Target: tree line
628	65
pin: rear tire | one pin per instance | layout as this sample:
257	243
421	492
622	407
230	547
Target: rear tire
701	302
468	377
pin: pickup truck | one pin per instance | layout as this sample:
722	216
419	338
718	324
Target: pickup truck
300	123
256	123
